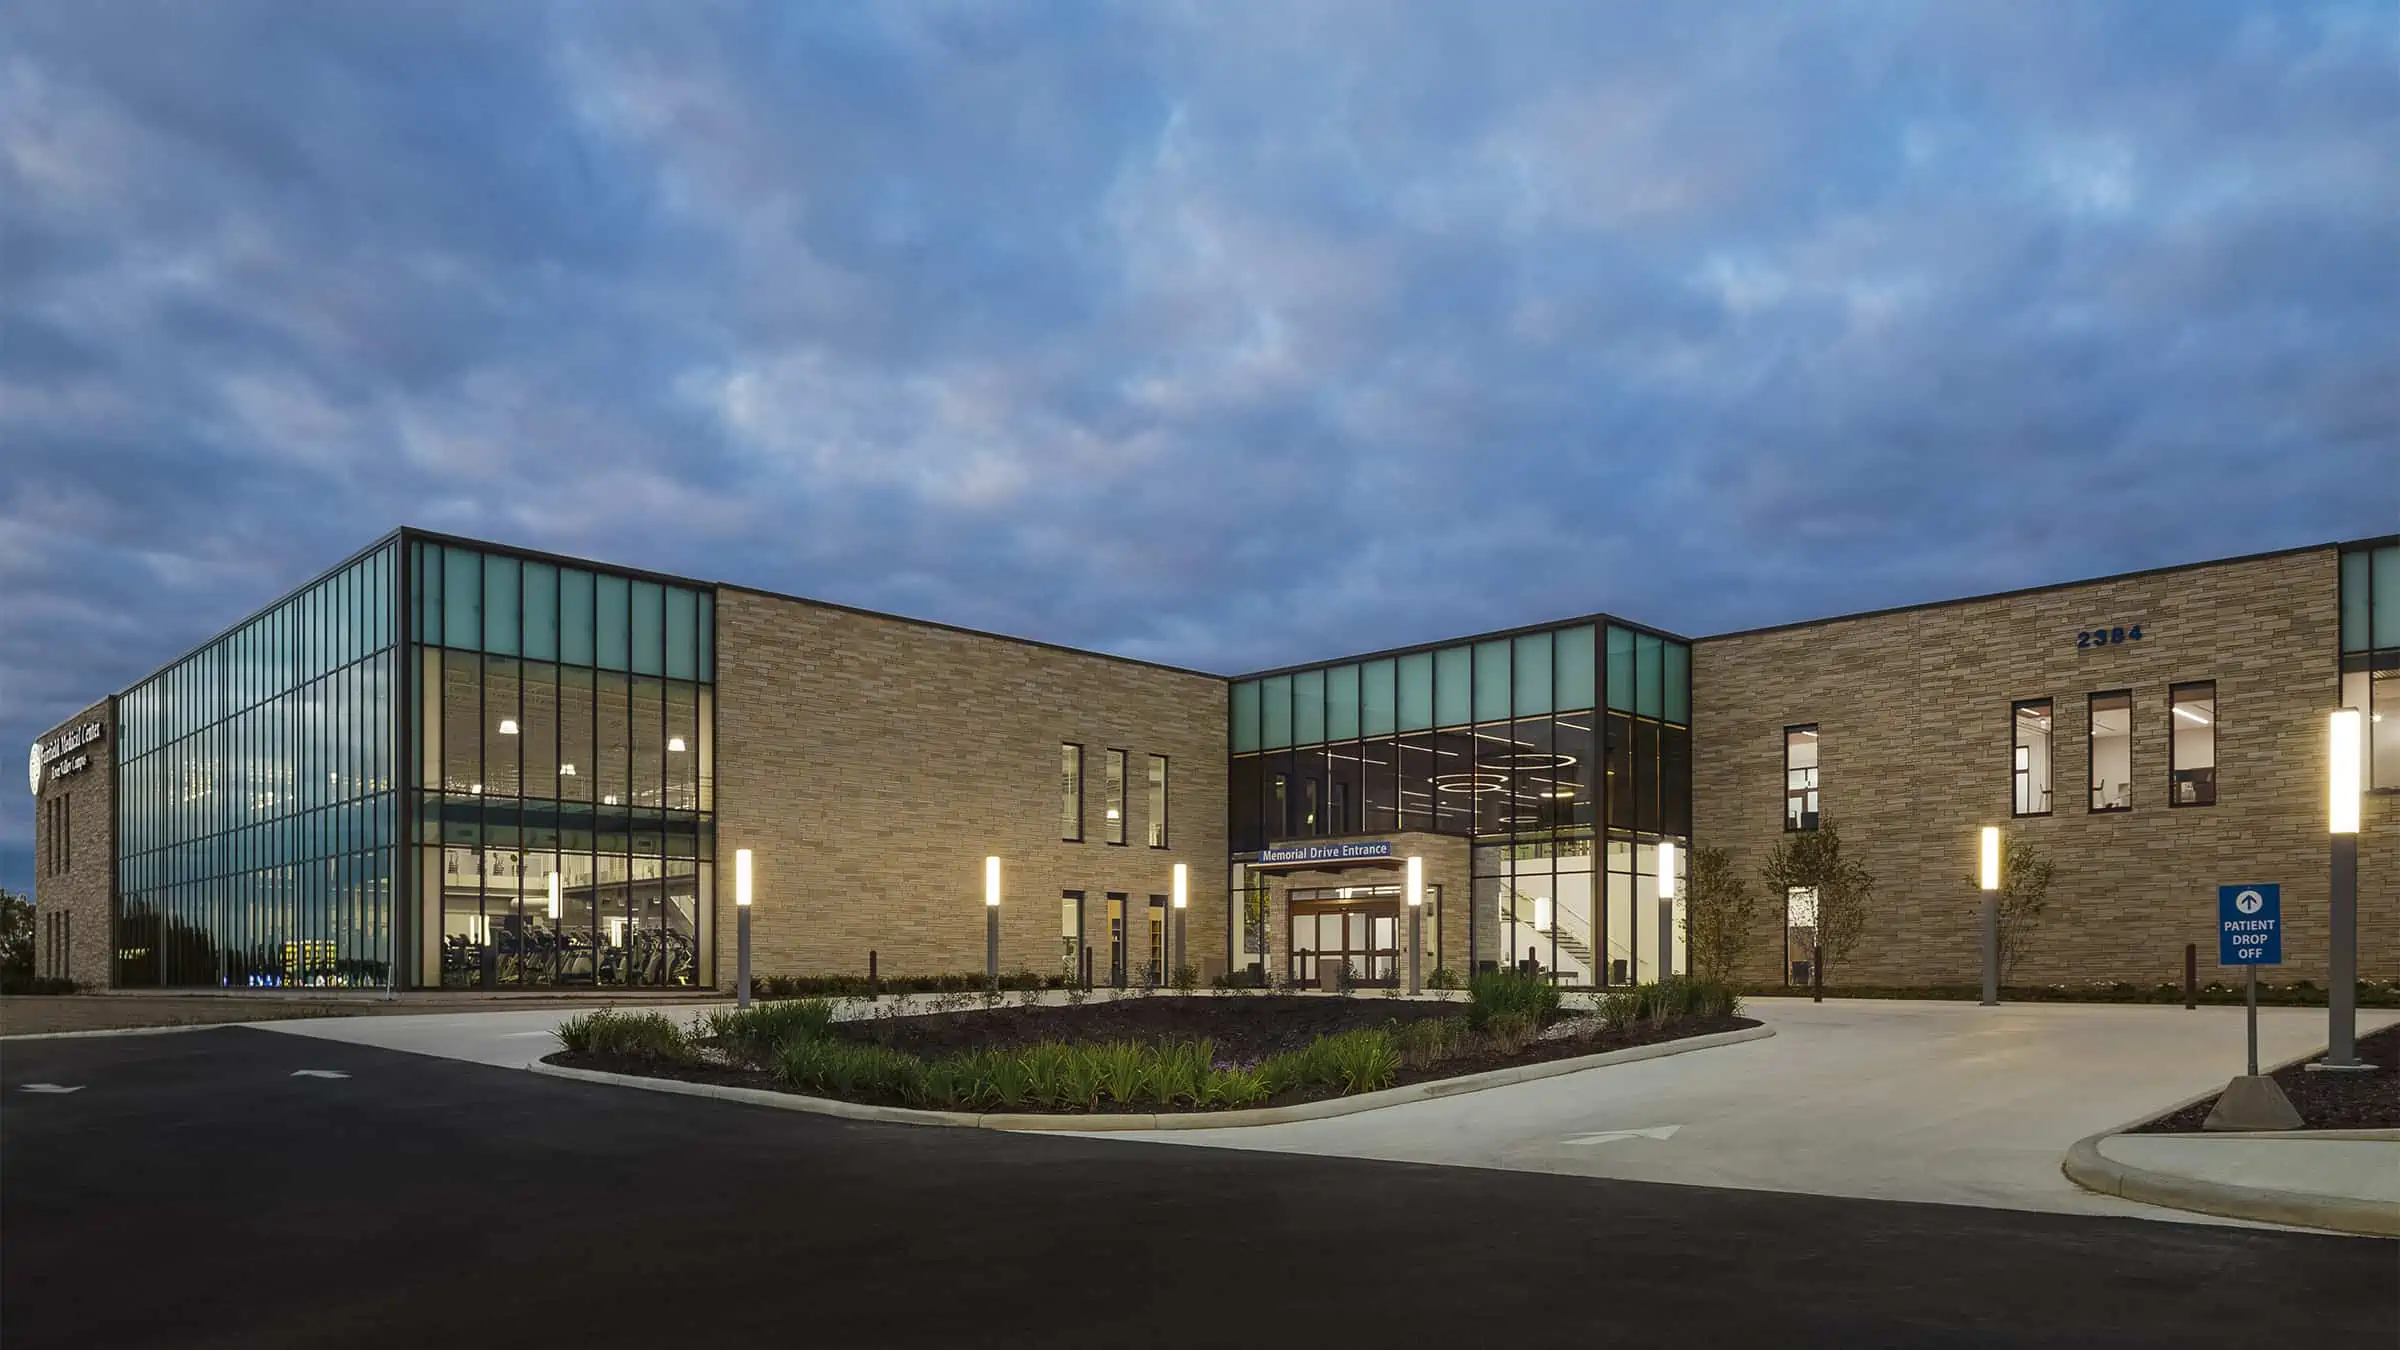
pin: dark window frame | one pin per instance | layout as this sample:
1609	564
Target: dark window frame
2091	751
2174	698
1077	836
1112	832
1808	820
2049	709
1157	835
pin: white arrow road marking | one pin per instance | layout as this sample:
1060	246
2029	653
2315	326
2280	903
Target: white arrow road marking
1610	1136
318	1073
53	1087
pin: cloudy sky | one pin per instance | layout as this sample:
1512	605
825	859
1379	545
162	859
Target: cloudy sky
1222	334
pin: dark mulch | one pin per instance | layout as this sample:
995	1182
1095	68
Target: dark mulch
2325	1101
1243	1029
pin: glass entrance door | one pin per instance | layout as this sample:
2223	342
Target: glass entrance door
1360	932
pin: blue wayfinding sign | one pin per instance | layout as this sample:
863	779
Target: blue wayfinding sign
2250	925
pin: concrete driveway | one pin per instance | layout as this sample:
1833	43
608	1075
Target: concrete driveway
1944	1102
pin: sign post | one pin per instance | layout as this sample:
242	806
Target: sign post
2250	935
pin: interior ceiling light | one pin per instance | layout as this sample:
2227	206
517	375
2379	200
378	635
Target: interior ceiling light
1530	759
477	789
675	745
566	771
1470	782
609	800
1112	813
2182	710
508	726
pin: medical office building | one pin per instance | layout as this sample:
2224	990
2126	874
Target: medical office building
448	764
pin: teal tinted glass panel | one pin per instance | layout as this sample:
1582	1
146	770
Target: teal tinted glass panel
649	627
1533	674
462	598
609	617
1679	683
1308	708
2354	599
708	637
1492	687
1575	686
428	592
1620	668
503	592
575	635
541	611
1245	717
1416	691
683	636
1275	712
1341	703
2384	630
1378	712
1453	686
1648	676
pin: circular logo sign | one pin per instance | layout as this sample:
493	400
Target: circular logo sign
2248	902
33	768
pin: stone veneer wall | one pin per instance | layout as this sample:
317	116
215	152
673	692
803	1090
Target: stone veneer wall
1916	748
87	889
872	763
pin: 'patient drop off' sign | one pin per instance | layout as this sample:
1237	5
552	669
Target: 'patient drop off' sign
2250	925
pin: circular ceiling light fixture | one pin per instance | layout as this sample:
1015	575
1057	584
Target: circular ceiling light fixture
1527	759
1477	783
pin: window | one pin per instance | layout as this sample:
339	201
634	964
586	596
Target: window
2192	744
2031	718
1158	801
1070	792
2112	750
1799	934
1070	935
1800	777
1112	797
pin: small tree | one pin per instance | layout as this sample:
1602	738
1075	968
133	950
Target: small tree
1812	860
2025	874
1720	923
16	936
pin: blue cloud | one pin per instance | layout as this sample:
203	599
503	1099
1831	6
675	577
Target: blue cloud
1219	336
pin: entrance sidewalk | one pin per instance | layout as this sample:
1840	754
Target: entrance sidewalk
2344	1180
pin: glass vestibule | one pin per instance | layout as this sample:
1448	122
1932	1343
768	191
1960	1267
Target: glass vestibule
1355	927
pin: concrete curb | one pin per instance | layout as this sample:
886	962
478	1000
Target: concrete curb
15	1036
1115	1123
2087	1167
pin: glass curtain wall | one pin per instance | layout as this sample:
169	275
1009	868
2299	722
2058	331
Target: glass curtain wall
2371	656
563	800
1539	746
256	810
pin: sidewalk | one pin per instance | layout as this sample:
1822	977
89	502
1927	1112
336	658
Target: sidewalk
2344	1180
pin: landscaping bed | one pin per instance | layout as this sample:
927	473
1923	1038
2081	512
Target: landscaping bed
1143	1054
2325	1101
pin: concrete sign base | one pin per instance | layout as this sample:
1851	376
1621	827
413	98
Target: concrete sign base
2252	1102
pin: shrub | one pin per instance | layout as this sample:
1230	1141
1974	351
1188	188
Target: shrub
1179	1073
1510	1031
751	1035
843	1068
1431	1040
644	1036
1361	1061
1235	1088
1500	992
1124	1069
1186	978
1667	1000
1443	977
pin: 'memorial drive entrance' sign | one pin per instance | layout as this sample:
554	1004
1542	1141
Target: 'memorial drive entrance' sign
1310	853
2250	925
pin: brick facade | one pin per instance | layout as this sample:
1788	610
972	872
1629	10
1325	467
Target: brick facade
872	763
77	884
1913	711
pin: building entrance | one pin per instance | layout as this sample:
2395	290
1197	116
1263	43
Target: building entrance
1357	927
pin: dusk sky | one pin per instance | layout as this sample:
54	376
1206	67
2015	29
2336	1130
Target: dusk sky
1221	334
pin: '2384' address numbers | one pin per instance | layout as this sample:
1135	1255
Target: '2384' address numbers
2107	637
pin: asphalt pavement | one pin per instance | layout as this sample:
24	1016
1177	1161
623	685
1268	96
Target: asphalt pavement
221	1188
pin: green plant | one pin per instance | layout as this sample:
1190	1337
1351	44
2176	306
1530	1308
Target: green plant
2025	876
1837	890
1431	1040
1496	993
1443	977
643	1036
1235	1088
1083	1078
1045	1067
1186	978
750	1036
1179	1073
1360	1061
1510	1031
1619	1007
1124	1068
1720	915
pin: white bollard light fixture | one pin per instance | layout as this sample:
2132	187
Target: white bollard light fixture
741	909
1183	898
2345	753
991	926
554	897
1666	909
1416	919
1988	880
